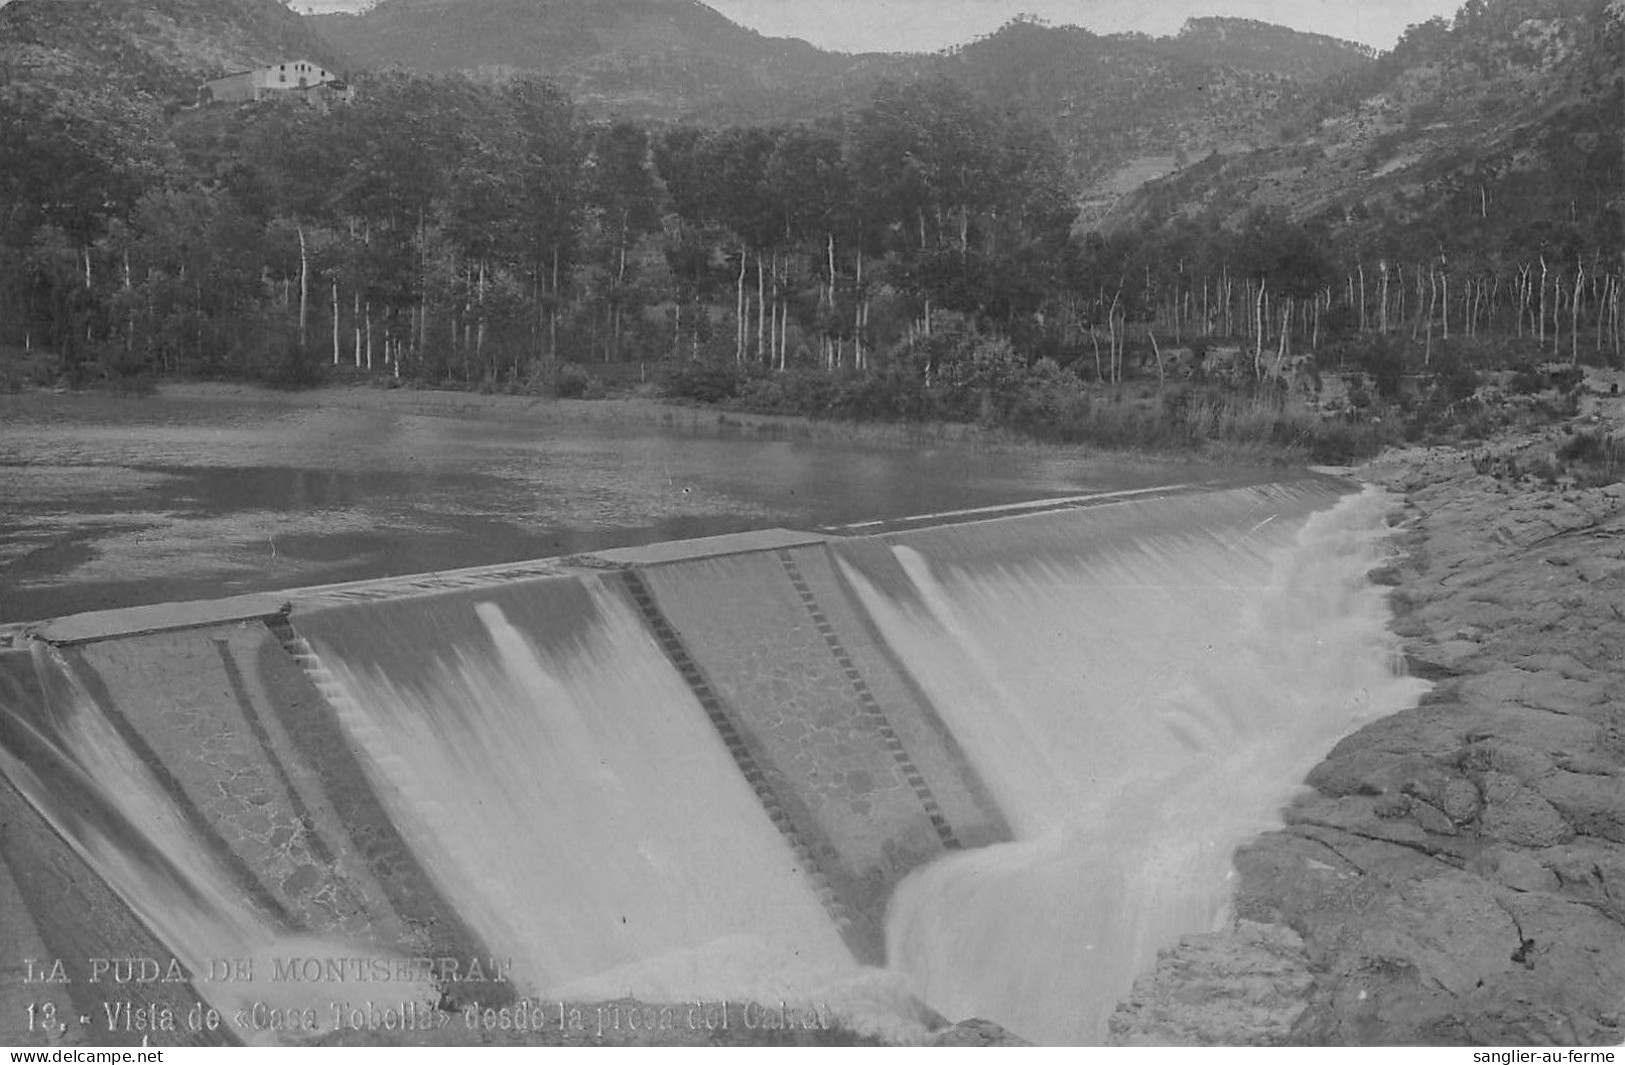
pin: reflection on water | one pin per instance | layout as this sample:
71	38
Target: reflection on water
112	502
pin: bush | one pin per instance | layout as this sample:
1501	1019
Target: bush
1048	395
808	392
1529	380
572	382
1593	459
707	382
1383	359
1341	441
1526	381
1455	380
21	369
293	367
273	356
979	377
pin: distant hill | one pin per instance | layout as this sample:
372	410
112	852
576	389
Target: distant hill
1513	100
440	36
1113	98
164	47
1508	116
658	59
1263	48
1109	99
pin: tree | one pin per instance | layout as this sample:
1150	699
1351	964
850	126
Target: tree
622	191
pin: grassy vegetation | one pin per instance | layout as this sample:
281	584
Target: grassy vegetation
1360	393
1587	459
980	380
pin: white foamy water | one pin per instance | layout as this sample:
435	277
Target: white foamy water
1140	687
105	801
580	812
1137	712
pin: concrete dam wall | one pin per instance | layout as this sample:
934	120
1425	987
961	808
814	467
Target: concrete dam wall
1004	758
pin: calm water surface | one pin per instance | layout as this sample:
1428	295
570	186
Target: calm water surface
109	502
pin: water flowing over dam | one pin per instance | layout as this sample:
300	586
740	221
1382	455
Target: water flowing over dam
1003	756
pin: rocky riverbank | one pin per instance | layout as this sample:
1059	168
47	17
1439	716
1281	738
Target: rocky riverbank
1455	874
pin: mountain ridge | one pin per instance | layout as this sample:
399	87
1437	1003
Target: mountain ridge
1108	98
1512	105
644	58
164	47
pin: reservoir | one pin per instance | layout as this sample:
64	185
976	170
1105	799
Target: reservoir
211	490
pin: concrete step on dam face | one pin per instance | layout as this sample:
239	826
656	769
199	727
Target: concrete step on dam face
681	772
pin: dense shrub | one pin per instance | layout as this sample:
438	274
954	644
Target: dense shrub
1593	458
963	376
282	363
1381	357
573	382
1048	395
707	382
1342	441
20	369
1454	380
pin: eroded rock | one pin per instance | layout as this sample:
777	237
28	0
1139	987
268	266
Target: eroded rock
1246	986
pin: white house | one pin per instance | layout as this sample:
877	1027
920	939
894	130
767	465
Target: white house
296	75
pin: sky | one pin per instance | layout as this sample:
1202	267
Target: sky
929	25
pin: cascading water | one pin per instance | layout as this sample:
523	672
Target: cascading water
1132	689
77	770
568	794
1139	709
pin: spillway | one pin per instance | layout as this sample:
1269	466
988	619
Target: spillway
1001	756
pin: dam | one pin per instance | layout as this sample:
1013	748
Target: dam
992	759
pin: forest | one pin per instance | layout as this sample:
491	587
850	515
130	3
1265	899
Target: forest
918	256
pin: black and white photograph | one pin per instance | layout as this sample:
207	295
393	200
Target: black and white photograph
812	523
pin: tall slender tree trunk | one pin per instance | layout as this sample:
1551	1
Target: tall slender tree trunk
1382	307
858	303
304	285
479	328
1361	267
423	316
1557	312
1444	281
1111	324
741	321
553	313
1574	314
1258	321
1602	307
1286	331
1540	327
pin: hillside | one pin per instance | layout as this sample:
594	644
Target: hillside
656	59
1507	117
163	47
1124	108
1112	99
1109	99
1264	48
